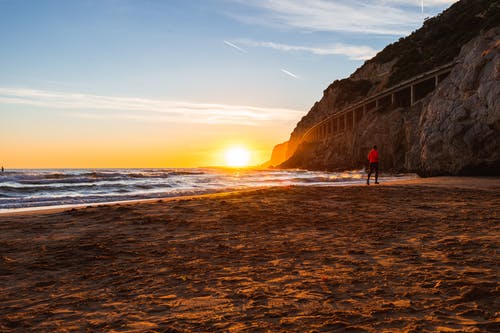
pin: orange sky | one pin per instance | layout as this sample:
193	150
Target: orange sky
90	143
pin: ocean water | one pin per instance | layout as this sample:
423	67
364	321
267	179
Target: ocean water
30	188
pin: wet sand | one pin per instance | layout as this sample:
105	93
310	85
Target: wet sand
412	256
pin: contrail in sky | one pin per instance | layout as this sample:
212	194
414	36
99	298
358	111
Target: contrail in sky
289	73
235	46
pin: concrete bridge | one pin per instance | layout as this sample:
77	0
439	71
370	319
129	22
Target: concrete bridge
405	94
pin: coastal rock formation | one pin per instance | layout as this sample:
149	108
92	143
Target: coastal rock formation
454	129
460	124
278	155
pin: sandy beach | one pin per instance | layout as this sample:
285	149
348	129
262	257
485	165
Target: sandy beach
411	256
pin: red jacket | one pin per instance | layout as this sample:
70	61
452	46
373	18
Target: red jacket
373	156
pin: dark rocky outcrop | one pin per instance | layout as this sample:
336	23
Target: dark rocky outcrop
453	130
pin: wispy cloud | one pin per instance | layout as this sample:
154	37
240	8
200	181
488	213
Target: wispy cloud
228	43
289	73
386	17
144	109
353	52
417	3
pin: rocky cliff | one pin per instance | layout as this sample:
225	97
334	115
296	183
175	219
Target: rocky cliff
278	155
453	130
459	127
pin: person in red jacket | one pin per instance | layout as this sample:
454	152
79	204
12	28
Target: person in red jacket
373	159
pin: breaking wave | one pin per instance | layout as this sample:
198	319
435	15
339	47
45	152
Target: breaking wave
55	187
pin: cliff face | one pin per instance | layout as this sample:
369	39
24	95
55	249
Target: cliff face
460	124
453	130
394	132
278	155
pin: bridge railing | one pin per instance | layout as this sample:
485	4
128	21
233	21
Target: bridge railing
406	93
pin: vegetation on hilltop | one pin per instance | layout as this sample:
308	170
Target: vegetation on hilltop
349	90
436	43
440	39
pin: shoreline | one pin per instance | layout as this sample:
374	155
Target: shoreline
460	181
62	208
145	184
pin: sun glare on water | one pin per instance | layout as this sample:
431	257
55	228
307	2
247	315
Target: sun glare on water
237	157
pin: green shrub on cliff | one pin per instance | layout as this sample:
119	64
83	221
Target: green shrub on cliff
349	90
439	40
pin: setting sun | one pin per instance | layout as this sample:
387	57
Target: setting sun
237	157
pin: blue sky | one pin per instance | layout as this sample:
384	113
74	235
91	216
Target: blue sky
225	66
